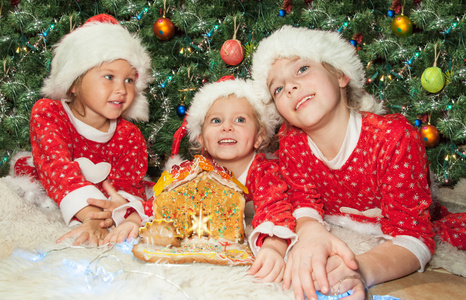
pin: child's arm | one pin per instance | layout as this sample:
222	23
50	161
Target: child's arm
308	258
269	265
382	263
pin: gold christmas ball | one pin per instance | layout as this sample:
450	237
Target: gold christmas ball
164	29
430	135
402	26
432	79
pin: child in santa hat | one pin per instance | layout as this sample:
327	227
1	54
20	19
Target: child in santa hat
229	123
344	161
83	148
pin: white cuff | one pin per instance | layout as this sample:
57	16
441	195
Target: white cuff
311	213
271	229
77	200
416	246
119	213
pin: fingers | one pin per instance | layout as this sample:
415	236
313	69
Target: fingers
256	266
320	272
106	223
287	274
102	215
348	257
305	283
104	204
67	235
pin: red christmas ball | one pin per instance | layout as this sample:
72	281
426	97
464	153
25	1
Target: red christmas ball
232	52
164	29
430	135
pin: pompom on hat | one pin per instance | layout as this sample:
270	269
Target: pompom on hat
100	39
224	87
317	45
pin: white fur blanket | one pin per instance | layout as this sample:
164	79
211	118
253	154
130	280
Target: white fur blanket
30	224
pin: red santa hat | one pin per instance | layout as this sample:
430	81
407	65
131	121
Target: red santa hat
205	97
317	45
101	39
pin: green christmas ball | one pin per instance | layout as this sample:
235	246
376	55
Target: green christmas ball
402	26
433	80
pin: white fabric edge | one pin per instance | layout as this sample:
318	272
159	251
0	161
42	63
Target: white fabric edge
310	213
135	202
77	200
271	229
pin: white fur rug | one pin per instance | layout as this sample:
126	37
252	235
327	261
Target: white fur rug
33	266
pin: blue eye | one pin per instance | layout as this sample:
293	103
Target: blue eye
216	121
129	80
303	69
240	120
109	77
277	90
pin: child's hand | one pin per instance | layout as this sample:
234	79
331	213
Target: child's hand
106	205
342	279
127	229
89	231
307	260
105	216
269	265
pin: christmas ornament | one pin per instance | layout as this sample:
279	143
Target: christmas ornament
391	13
181	110
232	51
432	78
164	29
282	12
430	135
402	26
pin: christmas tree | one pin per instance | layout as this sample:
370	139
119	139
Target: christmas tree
414	53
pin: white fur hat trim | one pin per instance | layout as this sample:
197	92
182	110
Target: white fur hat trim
316	45
91	45
241	88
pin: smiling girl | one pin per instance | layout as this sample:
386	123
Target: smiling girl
83	148
229	123
345	162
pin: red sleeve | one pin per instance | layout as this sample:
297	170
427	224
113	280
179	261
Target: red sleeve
52	147
296	169
268	192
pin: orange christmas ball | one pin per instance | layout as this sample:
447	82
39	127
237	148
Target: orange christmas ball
164	29
232	52
430	135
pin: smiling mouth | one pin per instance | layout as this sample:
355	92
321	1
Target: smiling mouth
117	102
227	141
302	101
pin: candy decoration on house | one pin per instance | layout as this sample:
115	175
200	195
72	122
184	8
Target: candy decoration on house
432	78
232	51
430	135
163	28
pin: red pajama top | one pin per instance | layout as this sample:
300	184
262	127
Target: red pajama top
386	172
272	210
56	145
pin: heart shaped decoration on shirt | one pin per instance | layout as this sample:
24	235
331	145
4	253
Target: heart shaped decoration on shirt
94	173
